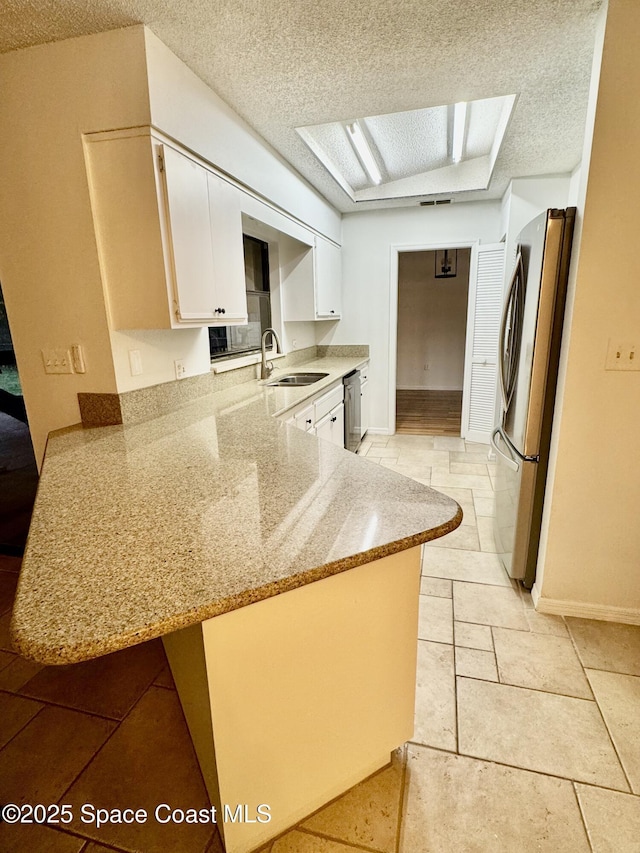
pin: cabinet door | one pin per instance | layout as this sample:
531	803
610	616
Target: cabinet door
331	426
227	251
187	199
328	279
337	425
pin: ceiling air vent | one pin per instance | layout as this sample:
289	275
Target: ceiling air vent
437	201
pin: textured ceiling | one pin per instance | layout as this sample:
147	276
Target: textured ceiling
283	64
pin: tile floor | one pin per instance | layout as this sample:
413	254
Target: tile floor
527	733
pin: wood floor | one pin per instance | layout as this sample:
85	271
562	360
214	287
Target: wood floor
428	412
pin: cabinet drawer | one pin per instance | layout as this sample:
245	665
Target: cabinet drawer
327	402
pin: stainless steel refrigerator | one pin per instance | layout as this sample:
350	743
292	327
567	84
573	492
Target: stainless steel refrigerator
528	356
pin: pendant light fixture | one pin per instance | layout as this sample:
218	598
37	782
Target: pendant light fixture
446	263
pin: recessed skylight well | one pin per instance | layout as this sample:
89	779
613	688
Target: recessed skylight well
415	152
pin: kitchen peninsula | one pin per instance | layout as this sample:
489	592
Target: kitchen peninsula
282	573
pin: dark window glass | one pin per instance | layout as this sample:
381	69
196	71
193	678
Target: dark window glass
234	340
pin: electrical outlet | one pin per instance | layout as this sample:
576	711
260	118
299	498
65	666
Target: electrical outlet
135	362
57	361
180	369
622	355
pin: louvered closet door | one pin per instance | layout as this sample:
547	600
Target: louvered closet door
483	325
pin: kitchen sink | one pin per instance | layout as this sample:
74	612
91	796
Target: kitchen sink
299	379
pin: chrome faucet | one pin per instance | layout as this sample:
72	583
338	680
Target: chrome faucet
266	368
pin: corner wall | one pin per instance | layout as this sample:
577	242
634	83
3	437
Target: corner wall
590	548
51	94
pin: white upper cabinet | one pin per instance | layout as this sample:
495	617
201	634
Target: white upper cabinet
228	254
190	236
328	280
169	235
311	280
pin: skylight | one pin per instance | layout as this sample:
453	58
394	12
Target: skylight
431	151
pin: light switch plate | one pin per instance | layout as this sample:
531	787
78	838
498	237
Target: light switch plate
57	361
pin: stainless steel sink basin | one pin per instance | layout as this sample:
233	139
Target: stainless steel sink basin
299	379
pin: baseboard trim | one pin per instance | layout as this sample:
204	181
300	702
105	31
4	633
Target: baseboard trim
378	431
585	609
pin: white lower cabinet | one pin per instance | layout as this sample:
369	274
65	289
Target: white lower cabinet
304	419
331	426
323	415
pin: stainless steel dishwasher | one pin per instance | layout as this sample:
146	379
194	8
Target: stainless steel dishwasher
352	420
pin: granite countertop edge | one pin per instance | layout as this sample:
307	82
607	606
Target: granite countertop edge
50	656
29	637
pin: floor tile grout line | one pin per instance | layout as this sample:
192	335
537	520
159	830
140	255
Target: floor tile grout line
403	786
569	779
21	729
495	654
51	704
333	838
600	712
582	816
606	788
102	746
532	689
73	708
89	761
455	683
87	840
455	700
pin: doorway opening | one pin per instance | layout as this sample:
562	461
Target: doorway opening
433	292
18	470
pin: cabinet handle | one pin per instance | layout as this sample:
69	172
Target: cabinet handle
334	419
332	312
308	421
219	311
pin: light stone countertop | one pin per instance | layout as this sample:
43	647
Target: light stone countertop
144	529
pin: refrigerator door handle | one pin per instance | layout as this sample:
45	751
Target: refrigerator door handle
507	383
509	461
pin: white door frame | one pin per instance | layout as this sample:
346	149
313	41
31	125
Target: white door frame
472	244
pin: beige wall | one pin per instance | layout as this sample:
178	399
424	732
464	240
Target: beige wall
432	321
48	261
591	534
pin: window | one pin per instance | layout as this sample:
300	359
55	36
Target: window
226	341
